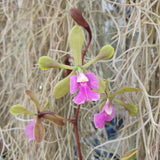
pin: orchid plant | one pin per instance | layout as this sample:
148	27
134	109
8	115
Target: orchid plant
34	128
89	86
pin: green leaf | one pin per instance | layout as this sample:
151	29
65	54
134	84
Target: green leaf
125	89
130	154
62	87
39	131
18	109
131	108
33	98
76	40
55	119
48	63
106	52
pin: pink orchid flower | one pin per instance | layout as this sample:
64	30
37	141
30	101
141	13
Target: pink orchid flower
29	130
106	114
76	39
84	82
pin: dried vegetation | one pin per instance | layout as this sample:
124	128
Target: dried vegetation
36	28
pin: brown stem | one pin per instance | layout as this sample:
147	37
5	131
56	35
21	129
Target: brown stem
76	133
78	143
77	112
89	41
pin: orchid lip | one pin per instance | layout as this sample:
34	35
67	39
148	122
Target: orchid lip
108	109
85	82
81	77
109	112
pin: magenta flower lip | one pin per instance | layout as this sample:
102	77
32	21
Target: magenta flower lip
106	114
85	83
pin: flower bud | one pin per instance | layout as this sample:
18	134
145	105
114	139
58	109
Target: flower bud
77	16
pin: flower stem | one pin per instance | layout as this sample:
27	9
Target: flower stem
73	121
76	133
89	41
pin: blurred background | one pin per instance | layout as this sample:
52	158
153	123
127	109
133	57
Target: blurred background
34	28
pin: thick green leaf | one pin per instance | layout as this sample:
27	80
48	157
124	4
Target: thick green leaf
55	119
33	98
62	87
130	154
125	89
131	108
47	63
39	131
76	40
106	52
18	109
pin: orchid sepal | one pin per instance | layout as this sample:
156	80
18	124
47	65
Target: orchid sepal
131	108
62	87
46	63
76	40
105	52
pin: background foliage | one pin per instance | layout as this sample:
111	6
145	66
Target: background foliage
34	28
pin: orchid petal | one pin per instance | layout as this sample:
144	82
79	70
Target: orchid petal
99	120
85	93
93	80
81	96
107	108
110	117
91	95
81	77
73	84
101	84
